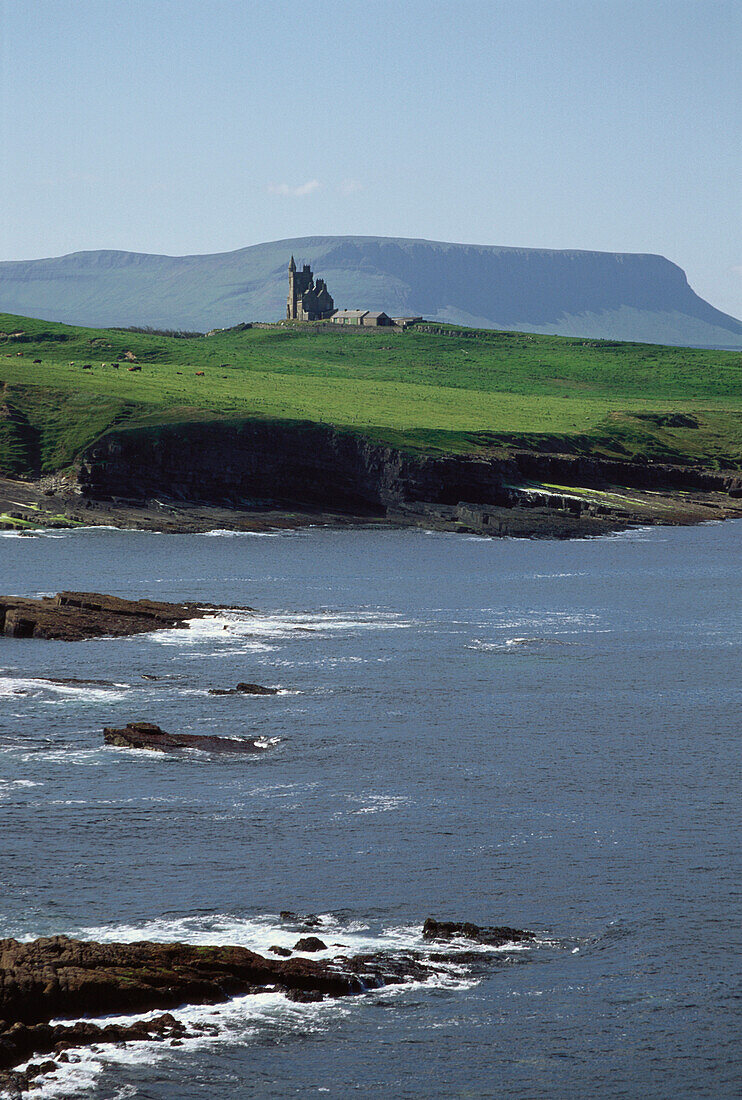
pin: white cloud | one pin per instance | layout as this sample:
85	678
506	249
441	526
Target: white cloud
350	187
295	192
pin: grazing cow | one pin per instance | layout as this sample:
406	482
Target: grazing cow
133	368
87	366
200	373
37	360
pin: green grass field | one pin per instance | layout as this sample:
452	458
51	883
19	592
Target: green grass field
460	390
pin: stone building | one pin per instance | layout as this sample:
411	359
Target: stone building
308	300
363	318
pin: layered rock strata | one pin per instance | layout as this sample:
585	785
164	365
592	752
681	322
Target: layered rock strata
74	616
253	464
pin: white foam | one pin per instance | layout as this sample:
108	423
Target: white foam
92	758
233	1022
30	685
260	632
261	932
8	787
556	576
380	803
224	533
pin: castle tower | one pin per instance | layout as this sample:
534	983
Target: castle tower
291	302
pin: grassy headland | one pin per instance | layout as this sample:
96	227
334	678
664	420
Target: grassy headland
448	390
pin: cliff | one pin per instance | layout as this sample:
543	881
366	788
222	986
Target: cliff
270	467
607	295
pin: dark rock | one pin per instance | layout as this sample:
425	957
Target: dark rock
73	681
305	922
303	996
146	735
244	689
494	937
73	616
61	977
283	951
310	943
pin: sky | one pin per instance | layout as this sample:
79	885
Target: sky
196	126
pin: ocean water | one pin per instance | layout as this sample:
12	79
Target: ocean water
542	734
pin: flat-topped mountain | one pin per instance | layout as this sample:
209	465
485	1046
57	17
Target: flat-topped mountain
607	295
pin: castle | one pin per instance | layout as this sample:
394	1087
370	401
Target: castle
308	300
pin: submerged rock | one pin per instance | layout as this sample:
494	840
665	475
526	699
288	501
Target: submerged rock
148	736
73	681
492	936
311	920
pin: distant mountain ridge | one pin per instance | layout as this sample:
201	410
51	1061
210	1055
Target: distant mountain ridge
608	295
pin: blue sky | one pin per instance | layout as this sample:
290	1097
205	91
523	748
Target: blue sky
184	126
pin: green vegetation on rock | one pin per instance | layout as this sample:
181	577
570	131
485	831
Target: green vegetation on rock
453	389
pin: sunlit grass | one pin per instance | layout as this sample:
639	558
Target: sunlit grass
453	391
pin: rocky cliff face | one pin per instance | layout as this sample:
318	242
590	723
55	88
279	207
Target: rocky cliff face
621	296
266	464
308	467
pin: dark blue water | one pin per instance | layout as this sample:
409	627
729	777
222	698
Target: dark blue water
534	733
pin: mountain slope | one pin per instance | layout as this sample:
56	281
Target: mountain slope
598	294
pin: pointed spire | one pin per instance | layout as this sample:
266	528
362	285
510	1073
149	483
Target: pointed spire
292	265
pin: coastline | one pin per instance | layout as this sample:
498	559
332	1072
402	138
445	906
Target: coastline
27	507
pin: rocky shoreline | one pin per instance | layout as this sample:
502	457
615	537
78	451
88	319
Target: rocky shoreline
59	977
272	477
76	616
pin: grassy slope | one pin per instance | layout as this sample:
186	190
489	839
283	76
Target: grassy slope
454	391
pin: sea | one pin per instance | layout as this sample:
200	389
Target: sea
541	734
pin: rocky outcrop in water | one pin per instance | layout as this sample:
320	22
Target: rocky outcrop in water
244	689
310	943
148	736
74	616
73	979
62	977
493	937
21	1041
